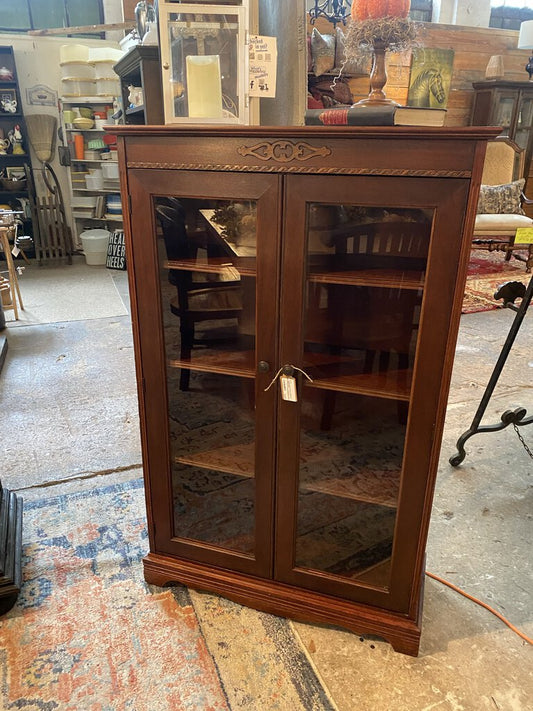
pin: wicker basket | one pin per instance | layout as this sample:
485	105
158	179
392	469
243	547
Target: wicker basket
13	185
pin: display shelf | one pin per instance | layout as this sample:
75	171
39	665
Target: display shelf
141	67
241	363
135	110
77	187
89	160
310	501
369	485
85	99
6	194
15	159
8	121
394	278
393	384
84	130
105	218
246	266
99	191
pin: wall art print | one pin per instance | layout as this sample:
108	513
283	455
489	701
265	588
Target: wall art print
431	77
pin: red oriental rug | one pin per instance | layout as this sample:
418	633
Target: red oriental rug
486	272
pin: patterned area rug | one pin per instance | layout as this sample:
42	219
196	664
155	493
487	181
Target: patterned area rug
88	633
486	272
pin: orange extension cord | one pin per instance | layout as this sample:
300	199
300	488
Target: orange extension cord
483	604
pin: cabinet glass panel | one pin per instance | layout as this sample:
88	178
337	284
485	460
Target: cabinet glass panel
524	123
206	254
365	280
525	113
504	113
203	47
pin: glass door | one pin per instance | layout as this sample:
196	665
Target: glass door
505	105
204	56
356	440
524	124
206	344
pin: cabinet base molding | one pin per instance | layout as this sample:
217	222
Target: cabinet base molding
402	632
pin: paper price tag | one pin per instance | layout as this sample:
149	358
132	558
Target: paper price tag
524	235
288	388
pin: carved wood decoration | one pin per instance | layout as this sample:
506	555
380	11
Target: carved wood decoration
284	151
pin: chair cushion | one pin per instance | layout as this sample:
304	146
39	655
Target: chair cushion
504	198
500	224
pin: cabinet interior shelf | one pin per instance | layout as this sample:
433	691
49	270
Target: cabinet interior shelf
394	278
240	363
369	485
135	110
246	266
337	374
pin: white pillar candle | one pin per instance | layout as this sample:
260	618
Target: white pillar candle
204	86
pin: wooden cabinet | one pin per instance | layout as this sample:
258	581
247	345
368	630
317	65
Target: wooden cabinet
508	104
141	67
296	295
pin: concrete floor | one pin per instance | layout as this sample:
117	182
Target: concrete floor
69	417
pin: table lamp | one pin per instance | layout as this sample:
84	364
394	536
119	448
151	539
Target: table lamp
525	41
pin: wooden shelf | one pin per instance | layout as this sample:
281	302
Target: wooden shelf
392	278
328	372
369	485
246	266
343	374
239	363
339	377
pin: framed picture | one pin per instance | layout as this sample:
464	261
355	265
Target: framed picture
430	79
15	172
8	101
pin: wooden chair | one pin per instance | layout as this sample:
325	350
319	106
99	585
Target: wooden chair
496	231
195	301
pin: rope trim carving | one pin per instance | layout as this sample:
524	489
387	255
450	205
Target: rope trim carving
322	170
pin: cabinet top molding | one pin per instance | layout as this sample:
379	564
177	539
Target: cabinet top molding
309	132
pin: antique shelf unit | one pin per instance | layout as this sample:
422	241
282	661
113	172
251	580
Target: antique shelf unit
296	295
509	104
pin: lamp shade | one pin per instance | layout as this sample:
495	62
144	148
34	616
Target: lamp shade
525	38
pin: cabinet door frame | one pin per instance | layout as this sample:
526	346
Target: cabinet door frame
145	185
448	198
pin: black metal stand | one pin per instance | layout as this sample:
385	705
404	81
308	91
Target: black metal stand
509	292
